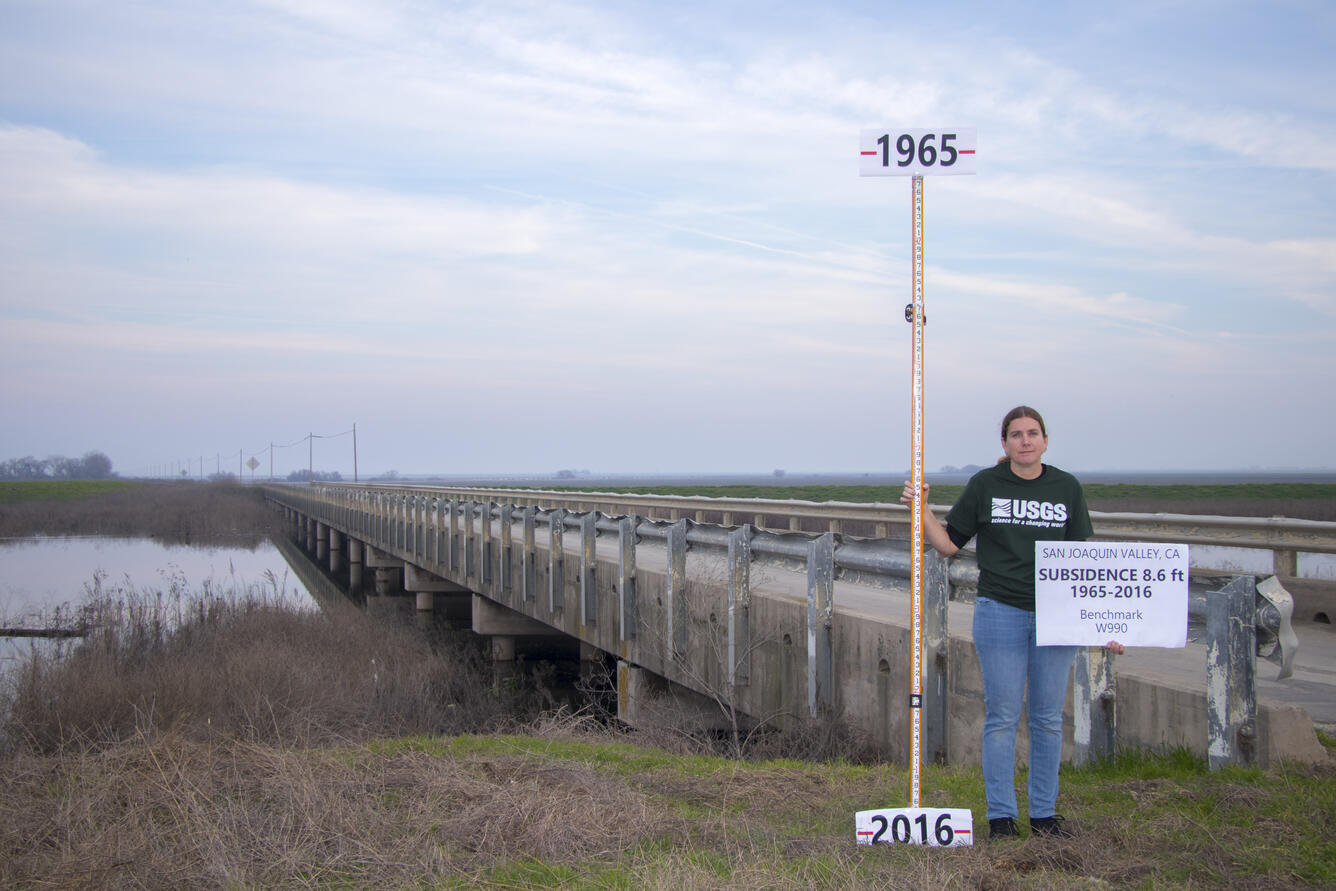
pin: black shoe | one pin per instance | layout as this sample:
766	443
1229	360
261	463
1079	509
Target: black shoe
1002	827
1051	826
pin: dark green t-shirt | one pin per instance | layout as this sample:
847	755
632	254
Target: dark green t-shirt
1009	514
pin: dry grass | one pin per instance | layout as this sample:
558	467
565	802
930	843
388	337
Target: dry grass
249	665
173	513
177	813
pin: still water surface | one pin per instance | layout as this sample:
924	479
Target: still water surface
37	575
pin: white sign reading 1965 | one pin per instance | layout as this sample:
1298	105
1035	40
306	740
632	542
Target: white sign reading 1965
944	151
1088	593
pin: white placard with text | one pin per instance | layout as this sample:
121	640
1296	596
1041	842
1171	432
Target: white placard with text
1088	593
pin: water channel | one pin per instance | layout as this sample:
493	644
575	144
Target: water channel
45	576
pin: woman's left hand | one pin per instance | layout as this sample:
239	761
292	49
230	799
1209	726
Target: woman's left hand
1116	648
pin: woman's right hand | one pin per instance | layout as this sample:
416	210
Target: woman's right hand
907	496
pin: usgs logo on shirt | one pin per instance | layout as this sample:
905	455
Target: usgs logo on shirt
1018	510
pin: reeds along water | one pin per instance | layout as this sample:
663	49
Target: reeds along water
253	663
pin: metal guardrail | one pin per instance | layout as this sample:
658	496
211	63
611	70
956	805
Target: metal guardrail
441	525
1277	534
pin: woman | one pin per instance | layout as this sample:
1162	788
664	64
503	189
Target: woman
1009	507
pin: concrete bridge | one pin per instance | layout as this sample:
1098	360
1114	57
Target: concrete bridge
791	615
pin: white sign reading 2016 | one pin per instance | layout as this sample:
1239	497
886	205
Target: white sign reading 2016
944	151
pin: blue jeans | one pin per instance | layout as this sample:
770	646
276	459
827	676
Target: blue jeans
1011	664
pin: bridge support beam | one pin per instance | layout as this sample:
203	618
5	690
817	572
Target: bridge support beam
491	618
437	595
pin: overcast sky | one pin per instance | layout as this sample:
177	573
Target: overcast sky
632	236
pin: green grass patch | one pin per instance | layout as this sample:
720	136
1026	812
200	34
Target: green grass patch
19	491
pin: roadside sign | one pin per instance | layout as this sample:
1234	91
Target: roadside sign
945	151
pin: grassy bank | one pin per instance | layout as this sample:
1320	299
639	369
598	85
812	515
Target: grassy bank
243	742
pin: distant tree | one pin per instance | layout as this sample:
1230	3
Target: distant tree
96	466
25	468
92	466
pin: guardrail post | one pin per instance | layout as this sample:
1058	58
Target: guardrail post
420	529
453	536
739	606
626	577
507	538
399	537
1231	673
556	561
588	560
1094	705
937	653
486	545
527	558
820	614
415	524
676	612
470	557
438	533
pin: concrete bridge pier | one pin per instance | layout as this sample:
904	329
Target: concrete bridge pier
309	541
388	581
335	550
321	542
354	567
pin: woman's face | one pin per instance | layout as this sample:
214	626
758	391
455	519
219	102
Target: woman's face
1025	443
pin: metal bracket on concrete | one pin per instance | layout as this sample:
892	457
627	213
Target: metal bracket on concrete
676	594
1094	705
820	618
626	577
470	554
414	524
527	558
454	535
507	546
556	561
936	594
487	557
438	532
1231	671
739	605
588	560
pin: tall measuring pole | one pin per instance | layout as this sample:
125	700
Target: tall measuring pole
917	317
915	153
